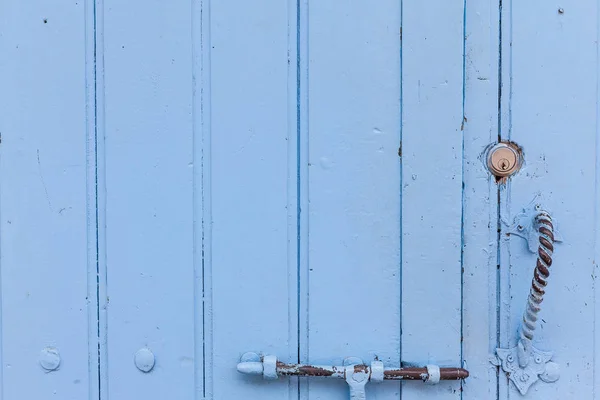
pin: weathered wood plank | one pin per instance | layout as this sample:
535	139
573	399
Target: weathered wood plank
47	228
252	216
553	116
480	199
353	183
432	174
147	220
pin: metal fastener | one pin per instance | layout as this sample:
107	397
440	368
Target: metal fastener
504	159
50	358
538	360
144	360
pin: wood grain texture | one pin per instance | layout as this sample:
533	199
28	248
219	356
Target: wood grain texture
44	210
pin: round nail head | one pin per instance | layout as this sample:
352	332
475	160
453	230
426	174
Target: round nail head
144	360
50	359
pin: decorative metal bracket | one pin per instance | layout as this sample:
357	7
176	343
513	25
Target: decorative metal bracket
524	225
524	364
354	372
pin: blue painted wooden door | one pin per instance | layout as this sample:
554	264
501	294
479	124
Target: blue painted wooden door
187	181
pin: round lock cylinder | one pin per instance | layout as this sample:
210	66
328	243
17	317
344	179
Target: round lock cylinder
504	159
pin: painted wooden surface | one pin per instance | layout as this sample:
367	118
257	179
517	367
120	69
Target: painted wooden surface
552	112
146	219
47	201
432	179
298	178
480	201
249	142
353	190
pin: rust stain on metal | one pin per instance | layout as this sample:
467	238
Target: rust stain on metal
411	373
540	274
405	373
313	371
302	370
446	374
542	268
544	256
547	232
361	368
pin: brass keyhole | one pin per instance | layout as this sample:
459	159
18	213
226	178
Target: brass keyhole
504	159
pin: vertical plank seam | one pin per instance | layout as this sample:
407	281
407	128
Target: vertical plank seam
93	266
597	214
302	172
499	71
400	294
100	200
462	191
498	201
205	98
504	133
293	194
298	184
197	198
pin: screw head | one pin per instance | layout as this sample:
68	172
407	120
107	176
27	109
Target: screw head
524	377
50	359
510	358
503	159
144	360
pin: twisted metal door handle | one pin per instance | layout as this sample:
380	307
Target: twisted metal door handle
543	221
524	364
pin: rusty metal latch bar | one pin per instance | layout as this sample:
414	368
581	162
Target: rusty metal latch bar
524	364
356	375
